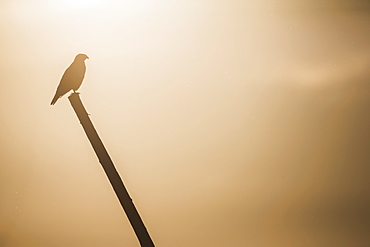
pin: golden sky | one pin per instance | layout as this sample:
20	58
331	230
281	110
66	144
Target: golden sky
232	123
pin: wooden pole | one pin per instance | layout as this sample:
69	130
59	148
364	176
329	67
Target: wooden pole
113	176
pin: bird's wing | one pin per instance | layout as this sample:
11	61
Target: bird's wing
71	79
68	77
74	75
66	83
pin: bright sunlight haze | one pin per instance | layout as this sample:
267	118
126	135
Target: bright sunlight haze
232	123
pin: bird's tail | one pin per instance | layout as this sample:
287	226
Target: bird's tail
56	97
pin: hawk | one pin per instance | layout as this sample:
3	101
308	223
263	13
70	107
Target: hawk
72	77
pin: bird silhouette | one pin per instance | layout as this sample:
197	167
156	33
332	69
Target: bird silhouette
72	77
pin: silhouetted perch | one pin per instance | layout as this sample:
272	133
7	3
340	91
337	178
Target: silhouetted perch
113	176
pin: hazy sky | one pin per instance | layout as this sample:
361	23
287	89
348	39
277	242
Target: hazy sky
232	123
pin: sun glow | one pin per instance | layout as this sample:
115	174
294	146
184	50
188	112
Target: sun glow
78	4
125	6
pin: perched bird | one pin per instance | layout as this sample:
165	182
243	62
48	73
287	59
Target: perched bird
72	77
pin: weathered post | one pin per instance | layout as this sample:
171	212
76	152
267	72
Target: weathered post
113	176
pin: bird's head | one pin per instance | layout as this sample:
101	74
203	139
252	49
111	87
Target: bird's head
81	57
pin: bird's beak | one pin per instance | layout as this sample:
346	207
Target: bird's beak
87	57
